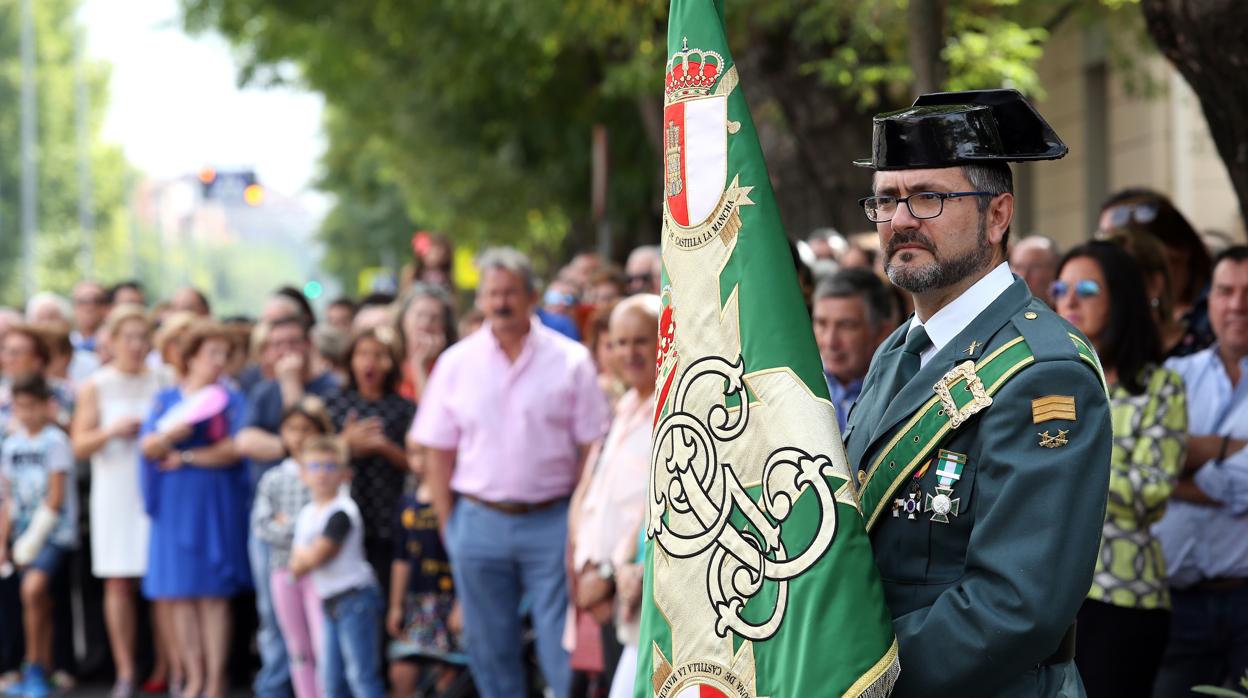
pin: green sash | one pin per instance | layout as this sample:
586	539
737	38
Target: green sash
968	388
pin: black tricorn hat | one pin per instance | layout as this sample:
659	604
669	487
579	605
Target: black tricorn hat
944	129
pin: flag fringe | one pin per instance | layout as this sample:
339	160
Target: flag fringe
882	687
879	681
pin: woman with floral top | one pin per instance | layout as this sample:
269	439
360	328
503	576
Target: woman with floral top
1124	623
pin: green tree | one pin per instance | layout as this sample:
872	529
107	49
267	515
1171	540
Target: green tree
475	117
59	240
370	219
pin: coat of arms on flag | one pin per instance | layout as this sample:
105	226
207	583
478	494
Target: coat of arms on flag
759	575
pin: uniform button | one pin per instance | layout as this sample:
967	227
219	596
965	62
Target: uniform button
1030	315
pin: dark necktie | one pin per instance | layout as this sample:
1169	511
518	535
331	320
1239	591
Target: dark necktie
908	360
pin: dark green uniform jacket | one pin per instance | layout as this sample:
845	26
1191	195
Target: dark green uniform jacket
981	602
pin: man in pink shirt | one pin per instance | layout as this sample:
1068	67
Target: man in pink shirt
507	418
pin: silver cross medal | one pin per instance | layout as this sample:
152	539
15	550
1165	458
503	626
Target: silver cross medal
942	505
909	504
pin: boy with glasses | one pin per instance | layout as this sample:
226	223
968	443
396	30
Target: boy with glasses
329	545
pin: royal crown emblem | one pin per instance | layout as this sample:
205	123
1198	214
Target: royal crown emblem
695	147
692	72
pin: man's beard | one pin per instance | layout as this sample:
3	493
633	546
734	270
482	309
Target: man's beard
940	273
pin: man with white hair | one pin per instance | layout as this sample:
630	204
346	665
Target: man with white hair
46	308
644	270
1035	258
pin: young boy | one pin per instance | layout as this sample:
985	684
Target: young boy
329	545
37	519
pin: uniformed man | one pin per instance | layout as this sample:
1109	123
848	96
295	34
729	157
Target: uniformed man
982	432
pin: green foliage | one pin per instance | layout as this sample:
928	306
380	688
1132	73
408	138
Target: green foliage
59	240
989	50
474	117
370	218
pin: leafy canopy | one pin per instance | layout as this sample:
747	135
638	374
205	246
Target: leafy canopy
475	116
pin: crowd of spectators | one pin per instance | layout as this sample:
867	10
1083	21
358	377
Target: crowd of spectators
426	495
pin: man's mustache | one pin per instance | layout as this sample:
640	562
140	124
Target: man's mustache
504	312
912	237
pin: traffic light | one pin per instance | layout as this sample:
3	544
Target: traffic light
232	186
313	289
253	194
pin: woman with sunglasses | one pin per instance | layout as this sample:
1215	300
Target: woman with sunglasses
1136	212
1124	623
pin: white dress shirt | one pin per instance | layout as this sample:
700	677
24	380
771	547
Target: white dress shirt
950	320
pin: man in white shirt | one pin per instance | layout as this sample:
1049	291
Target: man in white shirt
982	433
1202	533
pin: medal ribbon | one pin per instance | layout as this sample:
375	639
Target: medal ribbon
914	442
949	467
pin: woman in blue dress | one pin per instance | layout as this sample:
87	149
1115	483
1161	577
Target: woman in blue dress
195	489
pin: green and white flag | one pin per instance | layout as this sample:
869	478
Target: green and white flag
759	575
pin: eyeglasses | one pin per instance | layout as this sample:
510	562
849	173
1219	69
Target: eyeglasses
922	205
1084	289
1120	216
327	466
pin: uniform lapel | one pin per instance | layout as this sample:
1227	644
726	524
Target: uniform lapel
920	389
864	419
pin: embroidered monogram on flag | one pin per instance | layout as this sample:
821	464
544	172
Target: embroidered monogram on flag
756	549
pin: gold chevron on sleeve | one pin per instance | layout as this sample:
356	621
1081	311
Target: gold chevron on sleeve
1050	407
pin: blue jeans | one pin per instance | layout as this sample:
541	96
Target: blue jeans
1208	641
498	559
273	679
351	658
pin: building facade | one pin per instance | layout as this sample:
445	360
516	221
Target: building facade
1127	126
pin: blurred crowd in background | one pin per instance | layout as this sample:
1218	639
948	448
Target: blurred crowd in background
431	493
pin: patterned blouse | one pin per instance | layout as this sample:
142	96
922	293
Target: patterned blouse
377	483
1150	445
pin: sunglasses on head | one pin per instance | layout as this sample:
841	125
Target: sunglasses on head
1084	289
1143	214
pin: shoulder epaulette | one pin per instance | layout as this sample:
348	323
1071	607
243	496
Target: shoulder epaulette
1045	332
1053	339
